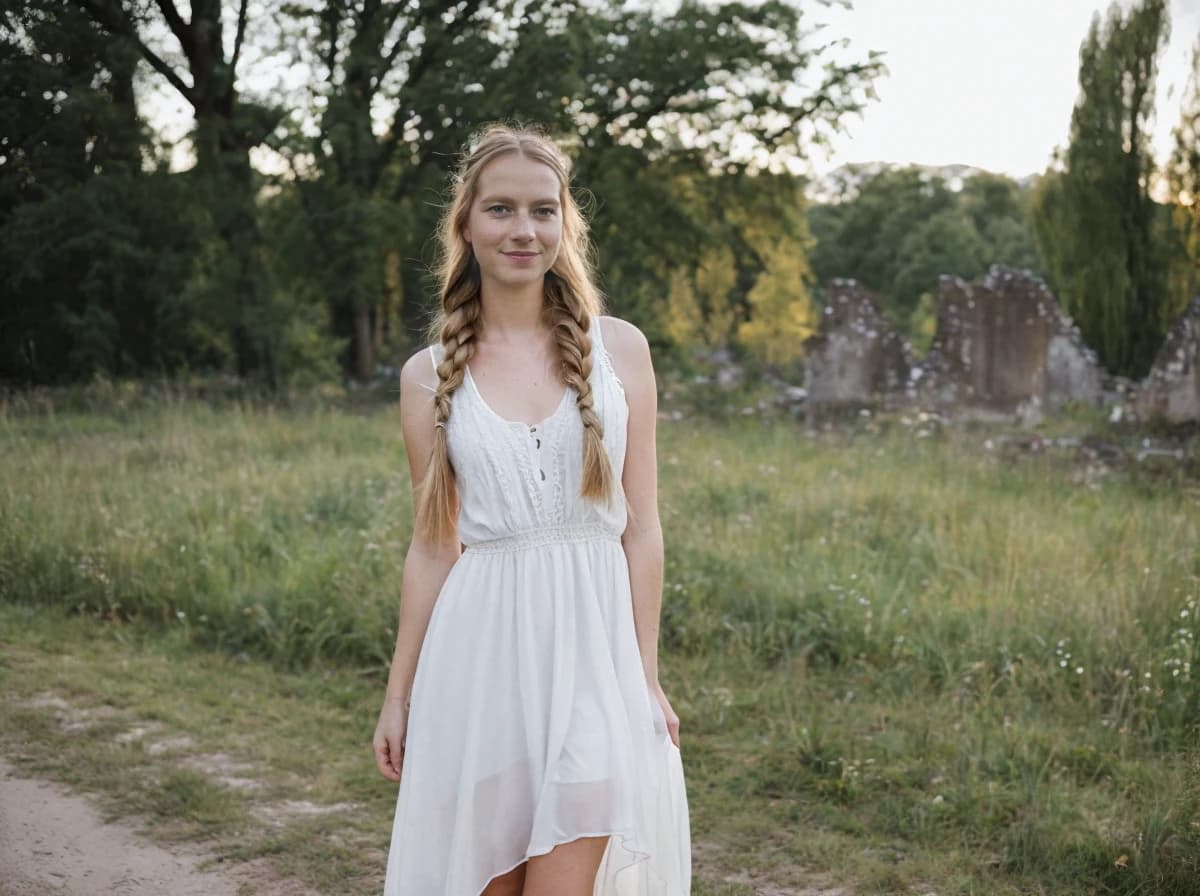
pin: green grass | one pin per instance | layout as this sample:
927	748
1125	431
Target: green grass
908	658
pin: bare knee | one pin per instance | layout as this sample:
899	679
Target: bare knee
509	884
567	870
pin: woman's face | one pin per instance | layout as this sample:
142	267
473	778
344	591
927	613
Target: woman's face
515	223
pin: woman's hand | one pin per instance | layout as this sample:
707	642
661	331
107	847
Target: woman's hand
668	713
389	738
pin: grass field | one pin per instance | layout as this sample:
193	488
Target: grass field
908	658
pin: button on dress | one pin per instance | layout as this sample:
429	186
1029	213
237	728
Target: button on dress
531	723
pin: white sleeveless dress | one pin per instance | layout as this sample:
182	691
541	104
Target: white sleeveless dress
531	723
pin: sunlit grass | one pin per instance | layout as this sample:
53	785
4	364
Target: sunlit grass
903	656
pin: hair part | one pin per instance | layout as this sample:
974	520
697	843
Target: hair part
571	299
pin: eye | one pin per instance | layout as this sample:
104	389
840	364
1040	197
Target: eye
547	211
497	209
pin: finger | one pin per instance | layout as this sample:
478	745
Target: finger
383	762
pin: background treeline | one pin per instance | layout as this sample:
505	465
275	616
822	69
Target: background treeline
296	246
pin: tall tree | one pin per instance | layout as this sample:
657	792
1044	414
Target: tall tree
202	68
1183	180
198	50
68	120
1095	219
67	104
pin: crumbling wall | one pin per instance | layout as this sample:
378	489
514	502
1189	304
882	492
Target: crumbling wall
856	357
1003	344
1172	388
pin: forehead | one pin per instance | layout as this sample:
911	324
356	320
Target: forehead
518	177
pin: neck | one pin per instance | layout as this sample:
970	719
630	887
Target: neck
511	312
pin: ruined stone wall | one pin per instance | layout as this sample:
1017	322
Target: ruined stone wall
1172	388
1003	348
1003	343
855	357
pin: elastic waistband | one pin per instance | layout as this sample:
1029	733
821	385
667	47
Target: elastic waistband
534	538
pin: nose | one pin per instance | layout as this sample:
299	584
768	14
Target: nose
522	228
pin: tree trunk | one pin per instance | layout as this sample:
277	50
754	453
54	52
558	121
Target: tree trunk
364	355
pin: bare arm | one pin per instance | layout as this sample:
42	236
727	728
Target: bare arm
426	566
643	537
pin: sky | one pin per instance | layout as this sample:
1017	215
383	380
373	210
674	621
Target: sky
989	83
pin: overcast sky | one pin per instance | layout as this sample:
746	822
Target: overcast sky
989	83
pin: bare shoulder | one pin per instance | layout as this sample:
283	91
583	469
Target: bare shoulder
418	384
629	349
418	370
621	335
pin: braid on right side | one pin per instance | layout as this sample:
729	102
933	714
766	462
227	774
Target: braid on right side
571	324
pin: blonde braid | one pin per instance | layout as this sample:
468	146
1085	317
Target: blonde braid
437	507
574	343
571	300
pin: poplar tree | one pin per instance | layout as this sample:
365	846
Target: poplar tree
1095	220
1183	181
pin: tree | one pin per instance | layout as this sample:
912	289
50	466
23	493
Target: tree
1183	180
628	82
1095	220
862	237
227	126
902	228
67	117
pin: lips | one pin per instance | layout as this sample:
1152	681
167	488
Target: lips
521	254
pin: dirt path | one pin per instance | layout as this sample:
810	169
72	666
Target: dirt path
53	842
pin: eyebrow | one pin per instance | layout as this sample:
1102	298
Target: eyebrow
506	199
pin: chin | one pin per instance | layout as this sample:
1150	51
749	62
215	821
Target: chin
522	278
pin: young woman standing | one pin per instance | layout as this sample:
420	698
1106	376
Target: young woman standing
535	749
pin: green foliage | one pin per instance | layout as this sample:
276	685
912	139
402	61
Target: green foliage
67	109
1096	223
746	282
903	228
87	269
620	83
273	278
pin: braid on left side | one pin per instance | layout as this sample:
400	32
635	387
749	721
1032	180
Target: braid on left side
570	324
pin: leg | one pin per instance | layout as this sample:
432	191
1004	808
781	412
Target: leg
567	870
509	884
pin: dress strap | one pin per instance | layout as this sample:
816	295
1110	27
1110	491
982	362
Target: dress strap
435	356
597	336
600	353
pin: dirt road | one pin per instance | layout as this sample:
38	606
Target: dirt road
53	843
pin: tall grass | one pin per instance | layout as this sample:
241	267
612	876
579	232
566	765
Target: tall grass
902	647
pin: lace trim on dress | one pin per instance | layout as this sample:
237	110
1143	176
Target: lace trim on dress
602	353
557	437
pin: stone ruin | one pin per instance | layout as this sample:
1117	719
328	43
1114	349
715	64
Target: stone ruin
1172	388
1004	345
1003	349
856	357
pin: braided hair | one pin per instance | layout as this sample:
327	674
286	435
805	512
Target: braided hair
570	301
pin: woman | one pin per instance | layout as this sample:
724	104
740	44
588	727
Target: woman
535	749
